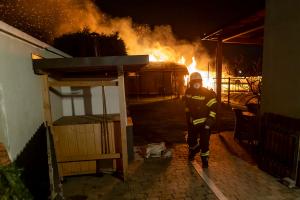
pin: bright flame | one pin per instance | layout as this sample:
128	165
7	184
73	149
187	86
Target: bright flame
152	58
181	60
160	55
206	77
192	67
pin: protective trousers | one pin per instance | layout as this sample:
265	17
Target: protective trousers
193	134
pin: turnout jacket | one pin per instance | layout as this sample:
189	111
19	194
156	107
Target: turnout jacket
201	106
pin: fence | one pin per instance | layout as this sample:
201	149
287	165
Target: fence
279	147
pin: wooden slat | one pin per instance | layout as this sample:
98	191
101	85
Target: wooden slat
82	83
97	139
77	168
113	144
46	100
75	144
90	134
123	122
89	157
118	142
112	137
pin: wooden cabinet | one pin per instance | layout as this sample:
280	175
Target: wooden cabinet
81	148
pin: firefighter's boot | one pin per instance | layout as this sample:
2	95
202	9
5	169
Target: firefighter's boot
193	151
191	155
204	160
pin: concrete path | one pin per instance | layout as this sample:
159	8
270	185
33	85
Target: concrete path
175	178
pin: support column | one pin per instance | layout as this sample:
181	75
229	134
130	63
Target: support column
219	78
46	100
123	121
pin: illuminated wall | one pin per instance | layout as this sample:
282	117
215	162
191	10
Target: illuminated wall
21	111
281	60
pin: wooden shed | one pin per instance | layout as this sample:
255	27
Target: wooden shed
157	78
88	142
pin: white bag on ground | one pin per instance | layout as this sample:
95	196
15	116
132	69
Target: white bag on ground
155	149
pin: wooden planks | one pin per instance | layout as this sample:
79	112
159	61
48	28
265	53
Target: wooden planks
79	146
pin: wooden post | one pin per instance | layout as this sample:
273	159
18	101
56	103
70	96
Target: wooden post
46	101
123	122
219	78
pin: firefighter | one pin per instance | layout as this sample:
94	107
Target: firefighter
201	105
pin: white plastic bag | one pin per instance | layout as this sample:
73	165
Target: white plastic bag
155	149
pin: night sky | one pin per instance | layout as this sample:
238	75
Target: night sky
190	19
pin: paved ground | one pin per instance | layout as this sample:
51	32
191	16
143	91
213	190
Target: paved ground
154	178
164	120
175	178
232	169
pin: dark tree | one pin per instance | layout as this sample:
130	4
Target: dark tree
85	43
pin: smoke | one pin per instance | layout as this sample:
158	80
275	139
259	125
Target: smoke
59	17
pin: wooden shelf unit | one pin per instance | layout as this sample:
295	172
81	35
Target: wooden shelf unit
79	146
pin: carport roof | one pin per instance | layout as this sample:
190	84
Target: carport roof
249	30
89	67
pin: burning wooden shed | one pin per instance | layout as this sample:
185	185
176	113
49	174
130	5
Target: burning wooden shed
157	78
95	130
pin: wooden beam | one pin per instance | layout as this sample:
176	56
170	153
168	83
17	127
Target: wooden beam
82	83
243	33
77	158
123	122
100	63
46	100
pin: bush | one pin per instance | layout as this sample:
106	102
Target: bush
11	185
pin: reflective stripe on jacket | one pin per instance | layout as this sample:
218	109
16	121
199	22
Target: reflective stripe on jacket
201	105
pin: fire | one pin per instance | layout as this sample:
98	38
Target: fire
181	60
207	80
159	56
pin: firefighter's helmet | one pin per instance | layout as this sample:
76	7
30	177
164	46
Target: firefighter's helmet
195	76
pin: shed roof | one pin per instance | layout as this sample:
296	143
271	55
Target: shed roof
89	67
165	66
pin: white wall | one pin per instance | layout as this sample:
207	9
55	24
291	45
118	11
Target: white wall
112	101
281	60
21	110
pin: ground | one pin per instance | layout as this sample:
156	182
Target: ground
232	170
164	120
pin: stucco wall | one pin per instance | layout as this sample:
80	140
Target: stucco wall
281	60
21	110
